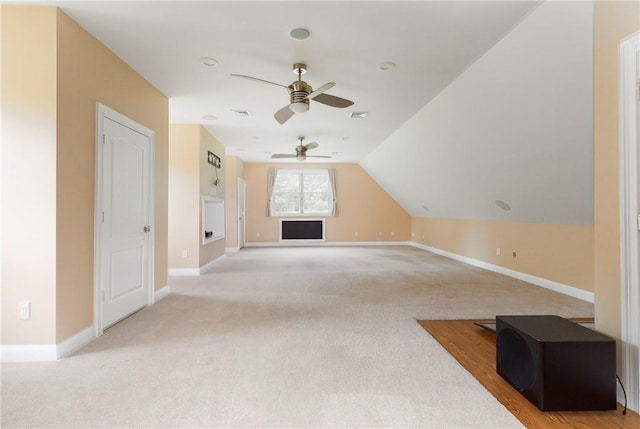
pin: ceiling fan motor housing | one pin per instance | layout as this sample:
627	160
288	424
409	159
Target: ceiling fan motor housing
301	151
298	93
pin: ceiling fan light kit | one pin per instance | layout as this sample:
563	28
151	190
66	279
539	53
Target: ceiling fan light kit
299	107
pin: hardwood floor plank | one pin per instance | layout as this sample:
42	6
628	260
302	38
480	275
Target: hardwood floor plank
474	348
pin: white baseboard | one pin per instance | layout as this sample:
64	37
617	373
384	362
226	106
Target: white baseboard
184	271
231	250
538	281
210	264
161	293
48	352
53	352
326	243
193	271
29	353
75	342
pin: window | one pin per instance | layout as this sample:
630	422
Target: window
298	192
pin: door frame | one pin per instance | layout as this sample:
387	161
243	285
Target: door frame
102	112
242	238
629	76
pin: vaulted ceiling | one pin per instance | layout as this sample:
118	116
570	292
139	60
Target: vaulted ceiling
488	100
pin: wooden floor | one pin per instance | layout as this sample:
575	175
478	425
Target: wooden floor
474	348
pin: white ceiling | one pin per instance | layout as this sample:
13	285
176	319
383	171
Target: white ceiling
516	126
431	43
489	100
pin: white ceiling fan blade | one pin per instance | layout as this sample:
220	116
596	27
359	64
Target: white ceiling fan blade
283	155
284	114
323	88
333	101
311	145
257	79
318	156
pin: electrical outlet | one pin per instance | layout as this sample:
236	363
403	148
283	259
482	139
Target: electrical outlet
423	236
25	310
393	234
498	251
355	233
413	234
257	234
185	254
380	233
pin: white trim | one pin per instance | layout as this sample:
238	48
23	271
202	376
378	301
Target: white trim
208	211
48	352
210	264
629	76
538	281
103	111
161	293
292	243
75	342
231	250
241	209
194	271
184	272
29	353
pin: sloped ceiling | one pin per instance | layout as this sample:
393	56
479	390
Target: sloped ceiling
489	100
431	43
515	127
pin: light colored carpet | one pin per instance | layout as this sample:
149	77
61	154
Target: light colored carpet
286	337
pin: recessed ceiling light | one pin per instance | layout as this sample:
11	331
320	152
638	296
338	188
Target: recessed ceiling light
300	33
337	153
358	115
242	113
503	205
209	118
208	61
386	66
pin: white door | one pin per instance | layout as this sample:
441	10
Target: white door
124	208
242	187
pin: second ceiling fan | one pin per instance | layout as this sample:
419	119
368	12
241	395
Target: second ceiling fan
300	93
301	152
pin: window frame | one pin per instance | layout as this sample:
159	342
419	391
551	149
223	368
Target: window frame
301	172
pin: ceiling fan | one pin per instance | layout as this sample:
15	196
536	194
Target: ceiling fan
300	93
301	152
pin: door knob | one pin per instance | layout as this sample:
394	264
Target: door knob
147	228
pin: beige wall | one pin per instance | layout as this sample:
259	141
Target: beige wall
363	206
28	173
41	45
191	177
211	251
561	253
184	195
613	21
88	73
233	171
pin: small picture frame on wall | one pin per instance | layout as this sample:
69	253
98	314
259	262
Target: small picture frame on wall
213	159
